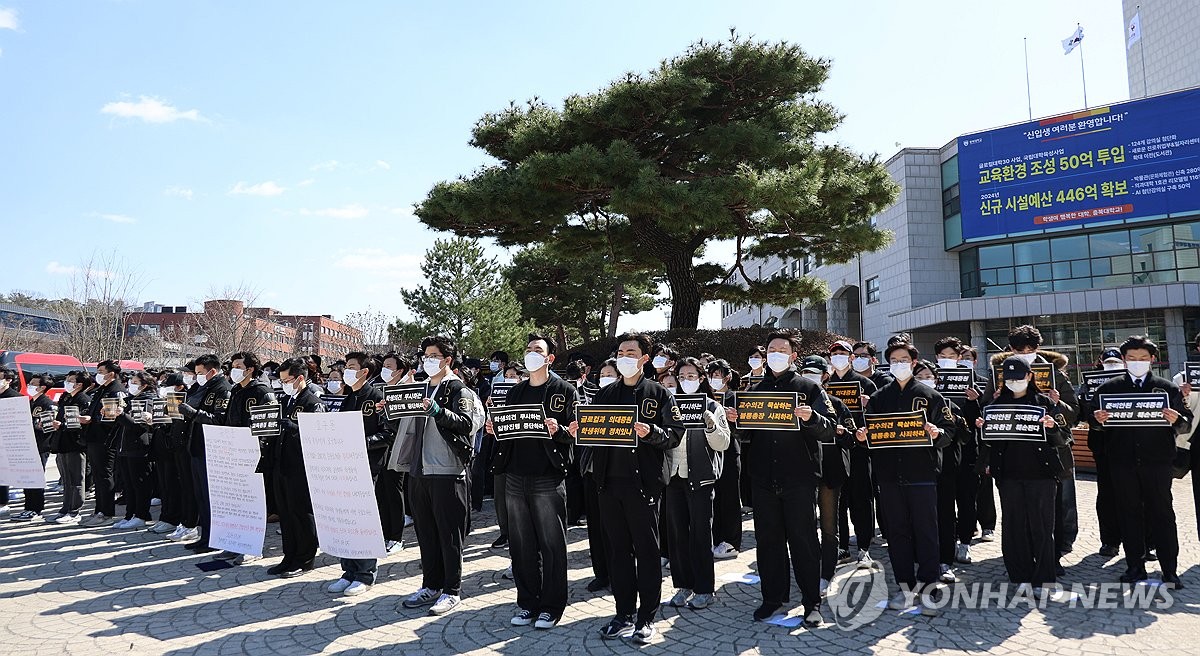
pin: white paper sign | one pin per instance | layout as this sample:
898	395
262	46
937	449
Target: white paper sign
339	482
20	464
235	492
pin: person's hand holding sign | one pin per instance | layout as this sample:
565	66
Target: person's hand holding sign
979	422
861	435
804	412
972	394
573	428
731	415
933	431
1186	389
1054	395
1101	415
641	429
1049	422
1171	415
551	425
487	426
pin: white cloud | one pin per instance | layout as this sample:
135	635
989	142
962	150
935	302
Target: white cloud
8	19
383	165
179	192
330	165
60	270
305	182
380	263
150	110
268	188
115	218
352	211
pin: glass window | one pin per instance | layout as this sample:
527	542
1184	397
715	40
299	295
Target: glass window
952	229
1101	266
1024	274
1143	262
1068	285
1149	240
1035	287
1032	252
968	260
1109	243
1069	248
1120	280
1187	232
1080	269
1005	276
1187	258
1164	261
1189	274
1122	264
1062	270
996	256
873	290
1041	272
987	277
1162	276
1000	290
950	172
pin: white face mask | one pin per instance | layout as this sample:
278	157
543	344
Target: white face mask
1027	357
779	361
432	366
816	378
31	391
134	389
350	377
717	384
1113	366
202	379
1137	369
275	384
512	380
334	386
629	367
840	362
494	366
689	386
901	370
755	363
969	364
947	363
69	388
162	392
534	361
289	388
928	382
99	378
386	374
659	361
670	390
862	364
237	375
605	381
189	380
1017	386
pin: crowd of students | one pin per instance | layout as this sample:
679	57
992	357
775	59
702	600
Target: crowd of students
675	500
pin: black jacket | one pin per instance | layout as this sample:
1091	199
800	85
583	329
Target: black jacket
288	454
375	427
242	399
1028	460
704	463
70	440
908	465
208	405
560	401
656	407
783	457
1128	445
1066	392
835	458
133	437
38	405
99	430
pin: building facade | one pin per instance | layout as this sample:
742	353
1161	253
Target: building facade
1164	58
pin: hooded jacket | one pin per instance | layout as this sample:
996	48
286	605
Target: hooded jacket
1062	383
438	457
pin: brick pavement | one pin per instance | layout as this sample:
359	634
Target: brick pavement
70	590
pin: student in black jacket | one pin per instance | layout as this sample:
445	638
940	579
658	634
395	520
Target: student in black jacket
926	373
907	478
1107	516
36	386
100	427
133	453
291	482
835	471
68	444
207	403
631	483
859	493
1027	474
785	469
732	490
1142	460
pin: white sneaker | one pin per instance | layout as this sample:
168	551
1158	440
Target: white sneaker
947	575
962	553
176	534
339	586
864	560
724	551
4	511
393	547
155	501
66	520
96	520
545	621
162	528
136	523
444	604
902	601
824	588
190	535
422	597
356	588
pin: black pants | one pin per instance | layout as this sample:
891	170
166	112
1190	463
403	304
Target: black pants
574	488
912	527
829	500
1107	515
189	509
481	475
947	495
296	522
967	493
597	541
498	491
439	512
35	497
199	470
727	503
689	519
537	523
101	458
389	494
1144	503
166	476
785	523
1027	541
70	467
985	504
745	483
137	472
858	497
631	525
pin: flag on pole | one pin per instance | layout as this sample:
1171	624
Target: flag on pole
1070	42
1134	33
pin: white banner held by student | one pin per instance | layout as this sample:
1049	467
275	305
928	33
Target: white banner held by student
339	482
235	491
20	464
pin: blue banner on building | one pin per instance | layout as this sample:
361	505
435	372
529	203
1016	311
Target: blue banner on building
1125	161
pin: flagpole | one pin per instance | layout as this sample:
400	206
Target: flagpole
1028	93
1082	74
1141	51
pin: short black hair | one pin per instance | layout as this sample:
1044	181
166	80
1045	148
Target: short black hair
610	362
44	379
110	366
870	346
787	336
8	374
500	356
948	342
689	362
643	341
444	345
208	361
551	347
295	367
902	346
669	352
574	370
721	366
897	339
1025	336
918	365
969	352
1134	342
364	362
706	356
760	351
147	378
249	361
515	366
76	374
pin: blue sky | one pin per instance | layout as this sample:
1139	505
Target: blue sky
283	144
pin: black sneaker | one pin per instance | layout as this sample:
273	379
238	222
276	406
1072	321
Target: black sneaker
296	570
597	585
523	618
766	611
24	516
1133	576
1150	555
276	570
621	626
500	542
1172	580
643	634
1109	551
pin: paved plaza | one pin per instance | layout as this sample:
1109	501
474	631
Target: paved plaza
71	590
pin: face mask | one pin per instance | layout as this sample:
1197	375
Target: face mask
69	388
659	362
1138	369
840	362
862	364
333	386
1017	386
628	367
512	380
31	391
162	392
901	370
386	373
928	382
755	363
605	381
134	389
202	379
237	375
969	364
947	363
779	361
670	390
432	366
1027	357
189	379
816	378
534	361
717	384
99	378
494	366
350	377
1114	366
689	386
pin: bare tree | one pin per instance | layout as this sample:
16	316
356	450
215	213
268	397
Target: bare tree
21	336
373	325
225	324
101	290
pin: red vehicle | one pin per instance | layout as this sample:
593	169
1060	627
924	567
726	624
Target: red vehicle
28	364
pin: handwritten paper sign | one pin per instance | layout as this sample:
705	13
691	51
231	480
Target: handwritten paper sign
1013	422
891	430
606	425
235	492
339	481
20	464
766	410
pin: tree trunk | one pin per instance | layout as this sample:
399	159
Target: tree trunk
685	293
562	338
614	313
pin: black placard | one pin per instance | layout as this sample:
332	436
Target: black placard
45	421
71	417
174	400
893	430
406	400
500	393
138	409
332	402
692	407
1144	410
527	420
109	409
848	392
158	412
1021	423
954	383
1043	375
264	419
1191	375
606	425
766	410
1092	380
